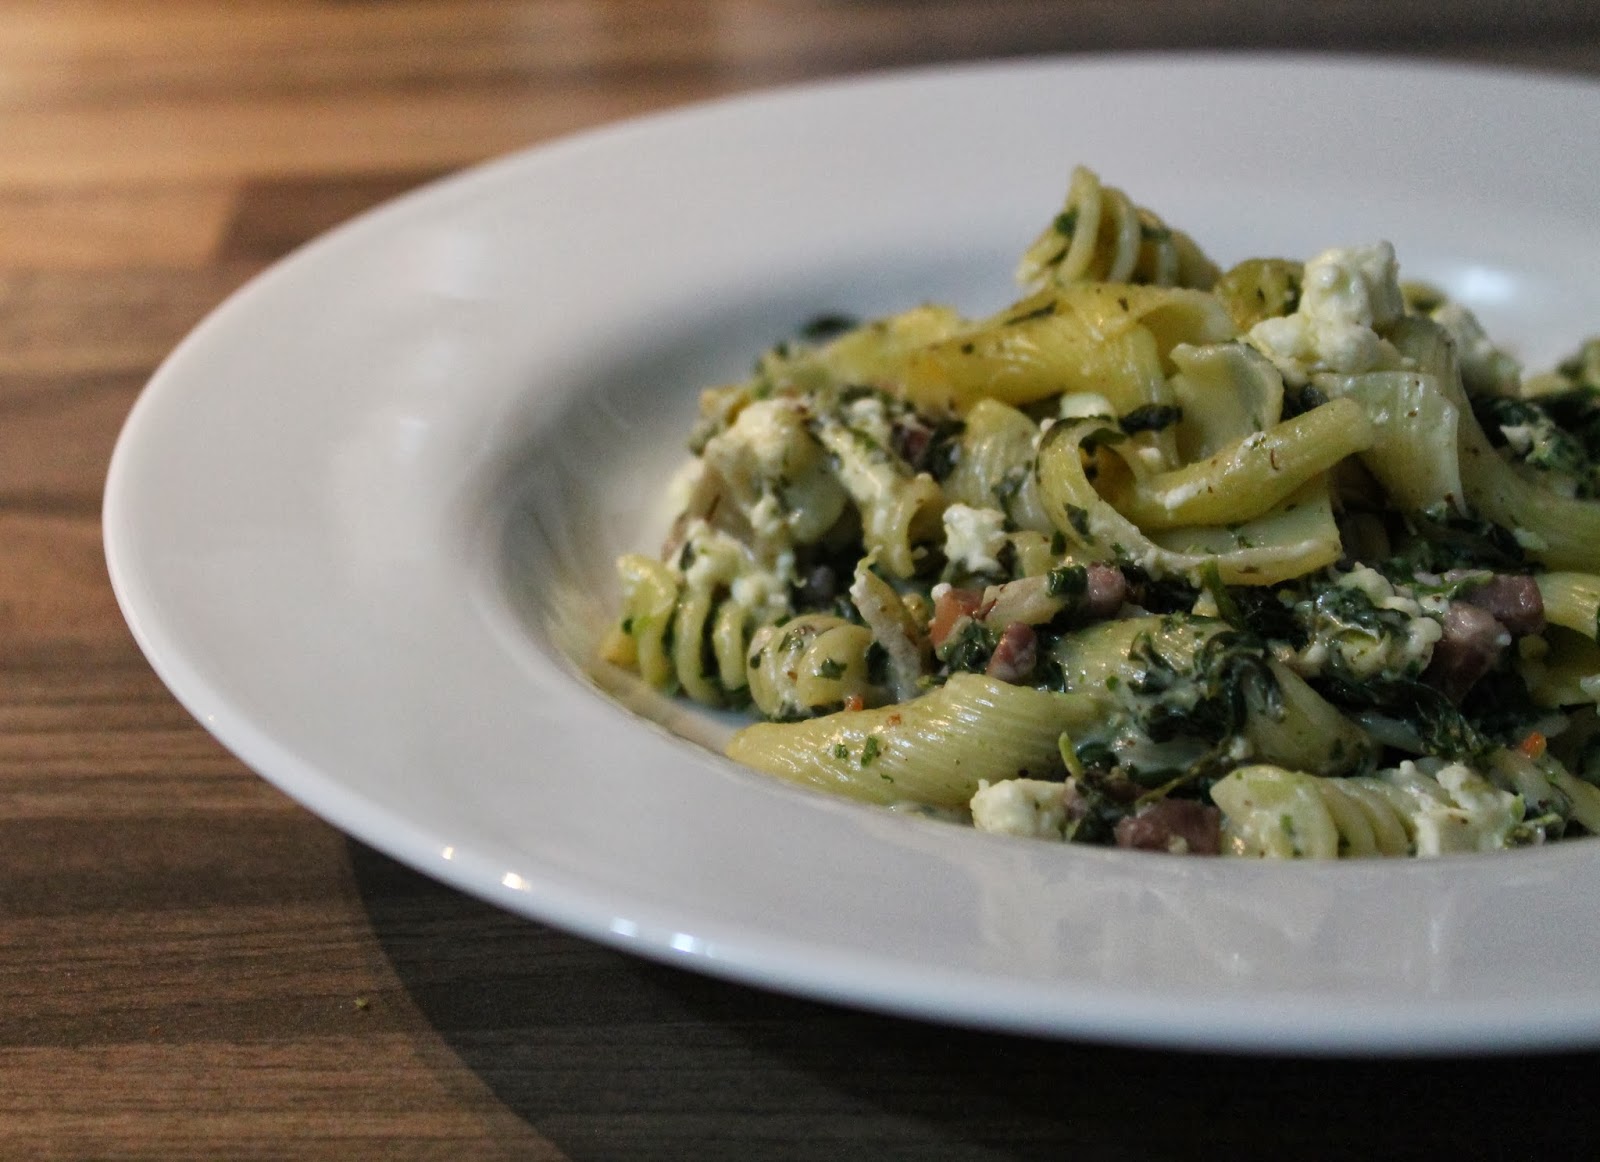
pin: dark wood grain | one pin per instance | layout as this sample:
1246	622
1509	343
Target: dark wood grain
191	966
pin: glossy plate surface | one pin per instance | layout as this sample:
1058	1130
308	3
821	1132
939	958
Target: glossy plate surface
362	522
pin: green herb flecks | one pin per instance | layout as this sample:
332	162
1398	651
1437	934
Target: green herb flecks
830	669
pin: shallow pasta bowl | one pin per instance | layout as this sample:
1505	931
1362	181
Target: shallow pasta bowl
363	522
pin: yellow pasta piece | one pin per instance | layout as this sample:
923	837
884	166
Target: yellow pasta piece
994	469
1571	600
649	597
1414	451
1111	339
1259	288
815	662
1568	673
933	749
1251	476
898	510
1561	532
1101	236
1297	537
1226	391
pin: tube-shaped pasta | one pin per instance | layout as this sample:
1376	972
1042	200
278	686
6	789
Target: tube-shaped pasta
1298	536
1107	338
1309	734
1583	797
1252	475
1414	452
1544	783
933	749
1226	391
1571	600
1568	672
875	352
1561	532
895	629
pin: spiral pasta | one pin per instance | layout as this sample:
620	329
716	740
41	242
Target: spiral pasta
1101	236
994	468
808	665
1270	811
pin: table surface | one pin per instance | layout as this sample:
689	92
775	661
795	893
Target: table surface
193	966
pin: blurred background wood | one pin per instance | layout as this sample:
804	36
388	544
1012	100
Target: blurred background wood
191	965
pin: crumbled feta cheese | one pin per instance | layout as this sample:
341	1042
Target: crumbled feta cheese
717	558
868	415
765	592
1369	581
767	428
767	520
864	468
1386	595
1031	808
973	537
1484	367
1519	436
1422	634
1480	816
1346	296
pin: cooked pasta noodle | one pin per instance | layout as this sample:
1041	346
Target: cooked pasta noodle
1101	236
1287	560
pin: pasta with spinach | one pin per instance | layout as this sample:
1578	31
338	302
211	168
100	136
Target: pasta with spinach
1284	560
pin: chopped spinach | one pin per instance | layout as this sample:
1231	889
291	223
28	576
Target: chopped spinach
827	326
1150	417
1437	541
1067	581
969	649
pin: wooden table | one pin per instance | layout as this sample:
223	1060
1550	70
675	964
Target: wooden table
193	966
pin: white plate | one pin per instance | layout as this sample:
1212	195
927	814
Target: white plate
362	522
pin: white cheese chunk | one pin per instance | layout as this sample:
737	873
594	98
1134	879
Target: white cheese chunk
973	537
1031	808
1480	818
1346	297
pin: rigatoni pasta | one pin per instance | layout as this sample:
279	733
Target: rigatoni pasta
1284	560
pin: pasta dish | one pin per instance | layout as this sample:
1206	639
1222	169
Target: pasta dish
1284	560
